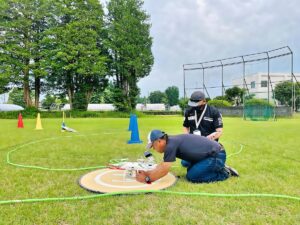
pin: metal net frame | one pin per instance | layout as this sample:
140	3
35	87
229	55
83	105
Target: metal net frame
244	60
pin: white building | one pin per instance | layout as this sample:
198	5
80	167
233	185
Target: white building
150	107
175	108
101	107
139	107
258	83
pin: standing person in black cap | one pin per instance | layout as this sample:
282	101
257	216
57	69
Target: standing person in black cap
202	119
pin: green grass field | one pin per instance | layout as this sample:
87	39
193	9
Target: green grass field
269	163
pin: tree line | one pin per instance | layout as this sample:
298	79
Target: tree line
282	93
233	96
72	48
169	97
236	96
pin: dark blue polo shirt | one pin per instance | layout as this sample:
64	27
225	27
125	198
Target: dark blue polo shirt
190	147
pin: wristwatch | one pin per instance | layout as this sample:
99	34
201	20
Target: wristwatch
147	180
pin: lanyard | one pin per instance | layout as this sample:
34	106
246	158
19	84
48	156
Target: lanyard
199	121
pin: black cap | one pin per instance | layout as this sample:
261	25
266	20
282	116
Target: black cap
195	98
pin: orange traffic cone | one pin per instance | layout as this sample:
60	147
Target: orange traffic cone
20	121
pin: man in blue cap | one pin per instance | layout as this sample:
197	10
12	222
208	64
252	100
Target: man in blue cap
207	158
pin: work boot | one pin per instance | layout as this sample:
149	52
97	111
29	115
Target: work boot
233	172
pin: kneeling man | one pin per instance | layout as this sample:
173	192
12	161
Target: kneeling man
206	157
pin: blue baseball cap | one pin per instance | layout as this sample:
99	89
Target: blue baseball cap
153	136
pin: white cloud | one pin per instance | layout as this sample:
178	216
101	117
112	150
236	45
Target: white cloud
201	30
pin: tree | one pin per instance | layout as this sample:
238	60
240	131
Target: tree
142	100
4	82
76	56
129	45
183	104
22	23
105	96
172	94
235	95
16	97
48	101
283	93
157	97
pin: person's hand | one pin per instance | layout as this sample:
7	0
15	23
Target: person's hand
140	176
211	136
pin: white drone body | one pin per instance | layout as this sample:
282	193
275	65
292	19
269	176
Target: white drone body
65	128
132	167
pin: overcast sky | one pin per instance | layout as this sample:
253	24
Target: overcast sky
188	31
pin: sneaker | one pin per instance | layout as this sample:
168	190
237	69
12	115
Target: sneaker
233	172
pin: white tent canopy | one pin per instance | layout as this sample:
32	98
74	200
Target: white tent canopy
10	107
94	107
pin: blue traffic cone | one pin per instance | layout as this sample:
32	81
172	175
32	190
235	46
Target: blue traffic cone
135	137
130	121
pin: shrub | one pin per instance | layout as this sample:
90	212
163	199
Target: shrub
31	113
183	103
256	101
80	101
219	103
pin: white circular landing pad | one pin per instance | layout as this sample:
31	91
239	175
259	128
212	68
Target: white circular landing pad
110	180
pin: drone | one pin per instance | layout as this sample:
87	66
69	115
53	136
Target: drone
146	164
65	128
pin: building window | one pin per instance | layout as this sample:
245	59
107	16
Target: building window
264	83
252	84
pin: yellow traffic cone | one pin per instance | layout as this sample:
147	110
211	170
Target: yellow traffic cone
38	123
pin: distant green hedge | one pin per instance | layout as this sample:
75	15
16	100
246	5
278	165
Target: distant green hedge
256	101
31	113
162	112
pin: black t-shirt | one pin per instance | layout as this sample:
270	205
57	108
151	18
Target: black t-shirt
211	120
190	147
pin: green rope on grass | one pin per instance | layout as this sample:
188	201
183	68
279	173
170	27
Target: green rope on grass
202	194
236	153
8	161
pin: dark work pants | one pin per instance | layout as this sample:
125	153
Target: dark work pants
210	169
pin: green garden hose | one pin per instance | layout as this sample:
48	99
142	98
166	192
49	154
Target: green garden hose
203	194
47	168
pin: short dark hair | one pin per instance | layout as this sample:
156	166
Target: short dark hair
165	137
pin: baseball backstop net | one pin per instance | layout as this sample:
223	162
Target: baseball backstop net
257	74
